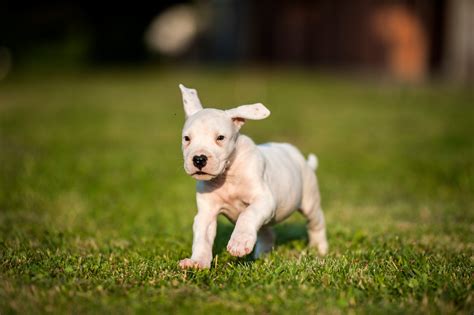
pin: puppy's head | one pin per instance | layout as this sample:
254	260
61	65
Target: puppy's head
209	135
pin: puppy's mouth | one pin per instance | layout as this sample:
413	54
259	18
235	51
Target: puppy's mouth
207	173
203	175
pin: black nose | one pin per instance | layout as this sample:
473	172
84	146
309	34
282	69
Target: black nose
200	161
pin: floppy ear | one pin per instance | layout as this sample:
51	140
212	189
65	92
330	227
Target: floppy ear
254	112
191	101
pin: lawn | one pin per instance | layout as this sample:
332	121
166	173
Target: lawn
96	210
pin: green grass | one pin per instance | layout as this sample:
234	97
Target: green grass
96	210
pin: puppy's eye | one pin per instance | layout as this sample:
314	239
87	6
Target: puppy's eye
220	138
186	138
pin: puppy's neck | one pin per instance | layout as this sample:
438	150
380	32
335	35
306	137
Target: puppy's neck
243	146
238	158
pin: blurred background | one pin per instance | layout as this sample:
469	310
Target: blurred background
408	40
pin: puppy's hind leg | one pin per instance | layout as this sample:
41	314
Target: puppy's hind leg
265	241
316	229
311	209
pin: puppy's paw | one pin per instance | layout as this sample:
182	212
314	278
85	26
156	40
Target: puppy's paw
189	263
241	244
323	248
318	240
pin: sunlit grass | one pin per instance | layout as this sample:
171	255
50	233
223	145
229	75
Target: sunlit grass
95	209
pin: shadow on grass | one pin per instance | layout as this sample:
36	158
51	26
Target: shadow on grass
286	234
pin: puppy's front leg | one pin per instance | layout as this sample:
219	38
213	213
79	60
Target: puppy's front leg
243	239
204	233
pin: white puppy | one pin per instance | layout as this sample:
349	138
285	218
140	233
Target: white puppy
254	186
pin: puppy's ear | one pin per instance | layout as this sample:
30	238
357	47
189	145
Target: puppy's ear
253	112
191	101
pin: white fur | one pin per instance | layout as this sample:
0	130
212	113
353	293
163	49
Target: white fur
313	161
254	186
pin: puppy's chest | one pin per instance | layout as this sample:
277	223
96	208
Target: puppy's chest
234	198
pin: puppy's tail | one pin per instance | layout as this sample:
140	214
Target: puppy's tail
312	161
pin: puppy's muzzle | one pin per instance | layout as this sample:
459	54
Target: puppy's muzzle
200	161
